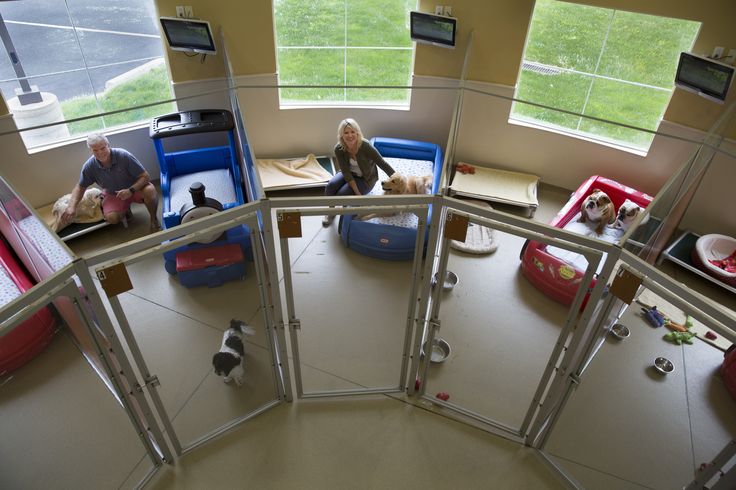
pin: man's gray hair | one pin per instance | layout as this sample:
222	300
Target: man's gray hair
96	138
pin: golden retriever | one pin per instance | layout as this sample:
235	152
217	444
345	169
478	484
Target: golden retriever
402	184
407	184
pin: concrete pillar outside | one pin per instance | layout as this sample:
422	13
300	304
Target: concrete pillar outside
44	112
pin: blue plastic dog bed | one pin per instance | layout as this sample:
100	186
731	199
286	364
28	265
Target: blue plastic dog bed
381	240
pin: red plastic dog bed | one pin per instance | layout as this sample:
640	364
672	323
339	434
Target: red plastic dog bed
29	338
560	278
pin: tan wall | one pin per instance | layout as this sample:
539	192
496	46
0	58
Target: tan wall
499	32
248	29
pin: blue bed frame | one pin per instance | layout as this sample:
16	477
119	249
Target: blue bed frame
384	241
178	163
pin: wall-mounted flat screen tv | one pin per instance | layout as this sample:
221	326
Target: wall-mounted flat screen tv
704	76
192	35
437	30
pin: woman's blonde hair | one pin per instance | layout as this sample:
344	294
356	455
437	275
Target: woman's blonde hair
353	124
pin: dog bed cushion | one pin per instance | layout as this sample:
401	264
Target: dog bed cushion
714	254
515	188
479	239
407	167
218	185
610	234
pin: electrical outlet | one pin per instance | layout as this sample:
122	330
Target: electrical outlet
448	11
731	55
438	9
188	12
180	11
717	52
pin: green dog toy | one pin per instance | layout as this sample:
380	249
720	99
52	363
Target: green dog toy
680	337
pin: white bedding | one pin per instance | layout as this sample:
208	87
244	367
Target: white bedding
406	167
218	184
610	234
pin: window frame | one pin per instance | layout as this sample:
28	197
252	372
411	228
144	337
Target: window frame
98	117
625	145
345	48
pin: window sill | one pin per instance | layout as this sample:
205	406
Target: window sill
83	138
609	144
373	106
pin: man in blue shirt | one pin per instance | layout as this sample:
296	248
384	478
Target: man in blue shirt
121	177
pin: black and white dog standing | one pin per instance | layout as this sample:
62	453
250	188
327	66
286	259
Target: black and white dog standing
230	361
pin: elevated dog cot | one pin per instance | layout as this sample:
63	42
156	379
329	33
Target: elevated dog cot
558	272
393	237
216	168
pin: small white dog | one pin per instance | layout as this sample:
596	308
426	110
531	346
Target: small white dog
597	208
230	361
627	213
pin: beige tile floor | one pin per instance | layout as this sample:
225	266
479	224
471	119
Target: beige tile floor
58	415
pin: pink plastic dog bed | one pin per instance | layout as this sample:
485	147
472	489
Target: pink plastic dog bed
28	339
716	256
556	274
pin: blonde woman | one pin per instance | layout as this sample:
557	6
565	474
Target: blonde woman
358	161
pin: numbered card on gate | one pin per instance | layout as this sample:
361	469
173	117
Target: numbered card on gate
456	226
290	225
114	279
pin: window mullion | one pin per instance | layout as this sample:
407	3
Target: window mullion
345	53
84	61
595	70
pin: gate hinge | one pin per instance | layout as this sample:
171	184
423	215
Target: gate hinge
152	381
575	379
295	324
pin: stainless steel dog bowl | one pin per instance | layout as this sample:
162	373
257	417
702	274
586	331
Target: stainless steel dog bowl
440	350
663	365
620	331
450	281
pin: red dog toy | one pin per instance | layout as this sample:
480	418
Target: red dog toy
443	395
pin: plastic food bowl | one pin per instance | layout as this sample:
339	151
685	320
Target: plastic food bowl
440	350
450	281
663	365
620	331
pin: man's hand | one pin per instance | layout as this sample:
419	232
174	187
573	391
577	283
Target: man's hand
124	194
69	214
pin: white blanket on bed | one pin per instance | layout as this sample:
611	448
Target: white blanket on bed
610	234
291	172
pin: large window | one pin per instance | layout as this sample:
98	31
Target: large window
61	60
604	63
343	42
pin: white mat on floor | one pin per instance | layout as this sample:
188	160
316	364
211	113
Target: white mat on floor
479	239
498	186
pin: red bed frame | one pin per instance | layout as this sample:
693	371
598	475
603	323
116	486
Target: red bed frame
29	338
553	276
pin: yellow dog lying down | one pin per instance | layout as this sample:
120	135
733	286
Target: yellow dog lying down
402	184
89	209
